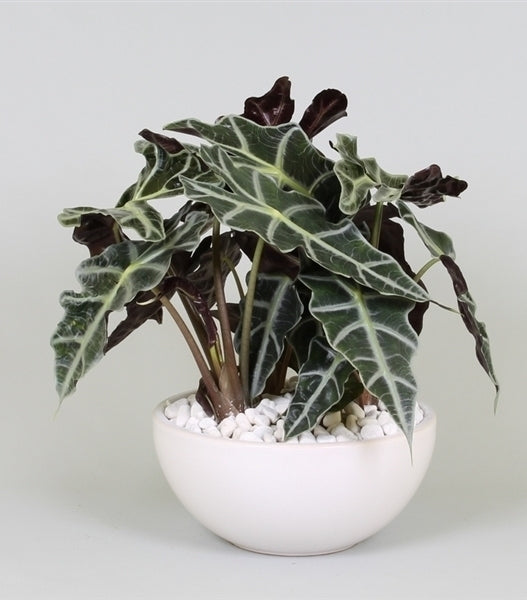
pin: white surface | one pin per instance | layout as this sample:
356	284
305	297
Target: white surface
292	499
84	510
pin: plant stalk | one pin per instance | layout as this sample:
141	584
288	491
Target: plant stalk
376	233
208	379
247	316
425	268
233	389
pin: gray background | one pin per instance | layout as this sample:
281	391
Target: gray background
85	512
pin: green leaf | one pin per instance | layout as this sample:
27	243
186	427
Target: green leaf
272	151
289	220
358	176
277	309
109	281
321	383
139	216
437	242
160	178
374	335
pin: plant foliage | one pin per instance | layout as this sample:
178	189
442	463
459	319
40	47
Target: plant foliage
329	293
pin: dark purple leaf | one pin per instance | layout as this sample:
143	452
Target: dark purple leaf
168	144
273	108
97	232
200	268
272	261
202	398
143	307
428	186
185	287
391	242
325	109
467	308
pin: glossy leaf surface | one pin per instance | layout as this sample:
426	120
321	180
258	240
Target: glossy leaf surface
374	335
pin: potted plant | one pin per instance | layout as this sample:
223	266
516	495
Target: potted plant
329	312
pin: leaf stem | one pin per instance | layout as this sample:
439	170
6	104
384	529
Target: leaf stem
247	316
376	233
234	273
234	387
208	379
425	268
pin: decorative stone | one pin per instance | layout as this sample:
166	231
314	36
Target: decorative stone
331	419
356	410
369	432
197	411
243	422
183	415
282	404
390	428
265	423
227	426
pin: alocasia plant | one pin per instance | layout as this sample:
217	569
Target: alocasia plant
329	294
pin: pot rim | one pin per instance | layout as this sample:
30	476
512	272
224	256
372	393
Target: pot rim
161	420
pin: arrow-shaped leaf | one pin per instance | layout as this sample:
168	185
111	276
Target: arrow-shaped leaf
374	335
289	220
359	175
110	280
276	310
139	216
321	383
273	151
437	242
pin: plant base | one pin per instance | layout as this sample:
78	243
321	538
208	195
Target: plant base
293	499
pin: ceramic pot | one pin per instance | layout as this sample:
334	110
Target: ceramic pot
292	499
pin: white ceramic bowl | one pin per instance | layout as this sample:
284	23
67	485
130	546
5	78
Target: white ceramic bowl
292	499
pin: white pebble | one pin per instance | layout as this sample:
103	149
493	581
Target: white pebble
243	422
192	422
262	420
271	413
292	440
267	402
370	410
346	437
183	415
331	419
306	437
251	414
367	421
282	404
269	438
369	432
390	428
339	429
419	415
384	418
171	411
319	430
351	423
262	430
324	439
356	410
197	411
279	433
227	426
212	432
249	436
207	423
